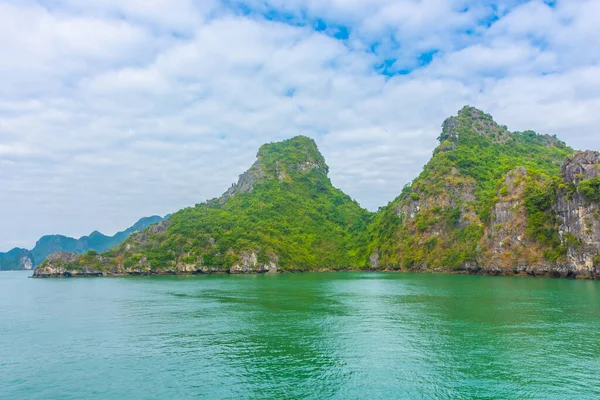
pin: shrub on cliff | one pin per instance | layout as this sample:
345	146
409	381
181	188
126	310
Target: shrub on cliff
590	189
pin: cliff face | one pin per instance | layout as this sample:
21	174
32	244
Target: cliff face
578	210
505	244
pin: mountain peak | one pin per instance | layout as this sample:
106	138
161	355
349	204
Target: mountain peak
471	119
284	161
472	122
473	112
298	154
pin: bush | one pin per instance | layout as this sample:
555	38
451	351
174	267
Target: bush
590	189
541	219
572	240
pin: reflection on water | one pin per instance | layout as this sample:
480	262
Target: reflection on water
338	335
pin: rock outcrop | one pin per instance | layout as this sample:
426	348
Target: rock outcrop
26	263
579	217
504	240
59	264
64	265
245	183
506	246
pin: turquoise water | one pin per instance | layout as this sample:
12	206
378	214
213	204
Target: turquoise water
299	336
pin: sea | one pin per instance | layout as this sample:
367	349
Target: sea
299	336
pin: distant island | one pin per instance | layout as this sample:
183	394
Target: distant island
23	259
489	201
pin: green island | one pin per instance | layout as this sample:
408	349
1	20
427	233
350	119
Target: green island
489	201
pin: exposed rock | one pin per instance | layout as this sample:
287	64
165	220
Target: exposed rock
458	192
62	257
26	263
374	260
451	219
58	264
16	259
479	122
583	165
142	237
63	264
160	227
22	259
579	218
505	245
245	183
249	264
310	165
450	128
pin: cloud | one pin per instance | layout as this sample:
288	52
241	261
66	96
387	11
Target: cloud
114	110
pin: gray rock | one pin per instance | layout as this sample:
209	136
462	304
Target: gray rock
579	219
245	183
62	257
582	165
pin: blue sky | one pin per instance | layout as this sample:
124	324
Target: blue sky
111	110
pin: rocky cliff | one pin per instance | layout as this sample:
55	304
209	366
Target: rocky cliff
63	265
492	201
489	201
506	244
578	210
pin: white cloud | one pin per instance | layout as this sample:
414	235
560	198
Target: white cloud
110	111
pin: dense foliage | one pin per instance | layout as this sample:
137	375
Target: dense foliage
293	215
539	197
590	189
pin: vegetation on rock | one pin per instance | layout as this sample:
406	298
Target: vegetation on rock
288	214
488	199
439	220
590	189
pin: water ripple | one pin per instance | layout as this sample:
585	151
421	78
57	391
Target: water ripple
302	336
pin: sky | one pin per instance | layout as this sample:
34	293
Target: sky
111	110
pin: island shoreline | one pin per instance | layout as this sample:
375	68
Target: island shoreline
442	271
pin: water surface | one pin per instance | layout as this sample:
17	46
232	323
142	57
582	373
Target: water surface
299	336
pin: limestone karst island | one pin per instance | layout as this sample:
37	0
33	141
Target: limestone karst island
299	199
489	201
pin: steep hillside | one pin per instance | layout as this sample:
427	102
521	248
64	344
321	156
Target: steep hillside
17	259
578	210
489	201
282	214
